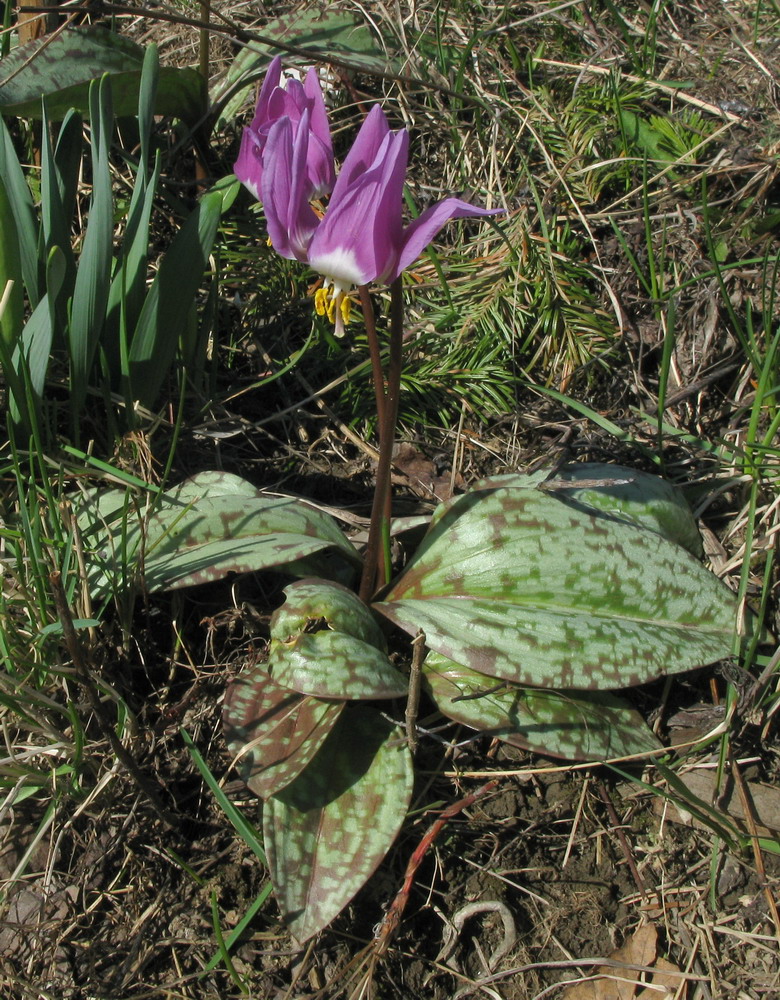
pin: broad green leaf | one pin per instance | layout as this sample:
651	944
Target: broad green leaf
61	67
166	309
333	606
326	35
273	732
578	725
517	584
325	642
619	492
327	832
207	527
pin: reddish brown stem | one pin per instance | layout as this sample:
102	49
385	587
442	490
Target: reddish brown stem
376	567
377	375
392	921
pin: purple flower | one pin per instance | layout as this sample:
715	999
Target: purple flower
291	102
284	190
361	238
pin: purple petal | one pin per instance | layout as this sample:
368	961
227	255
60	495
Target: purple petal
271	81
363	151
316	104
282	104
359	239
285	189
322	170
419	233
248	168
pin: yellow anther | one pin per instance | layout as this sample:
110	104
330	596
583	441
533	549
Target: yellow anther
268	243
321	301
337	308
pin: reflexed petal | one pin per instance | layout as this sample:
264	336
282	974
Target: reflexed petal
419	233
285	190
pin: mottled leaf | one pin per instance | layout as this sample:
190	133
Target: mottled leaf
619	492
61	66
210	525
326	34
579	725
271	731
517	584
327	832
325	642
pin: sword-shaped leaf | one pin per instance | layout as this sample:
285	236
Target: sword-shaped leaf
578	725
517	584
327	832
273	732
325	642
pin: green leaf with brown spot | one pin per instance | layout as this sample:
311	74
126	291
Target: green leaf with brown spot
201	530
325	642
615	491
327	832
517	584
578	725
273	732
61	66
327	34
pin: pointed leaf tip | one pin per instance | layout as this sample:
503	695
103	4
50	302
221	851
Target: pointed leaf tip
328	831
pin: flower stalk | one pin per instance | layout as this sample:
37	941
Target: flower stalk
349	227
377	562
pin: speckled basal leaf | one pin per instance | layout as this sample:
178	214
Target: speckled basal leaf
60	67
327	33
327	832
210	525
517	584
271	731
325	642
579	725
616	491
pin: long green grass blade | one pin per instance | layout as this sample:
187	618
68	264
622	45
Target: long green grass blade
90	292
166	310
23	210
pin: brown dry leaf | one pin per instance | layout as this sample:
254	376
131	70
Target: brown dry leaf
420	473
615	983
671	982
